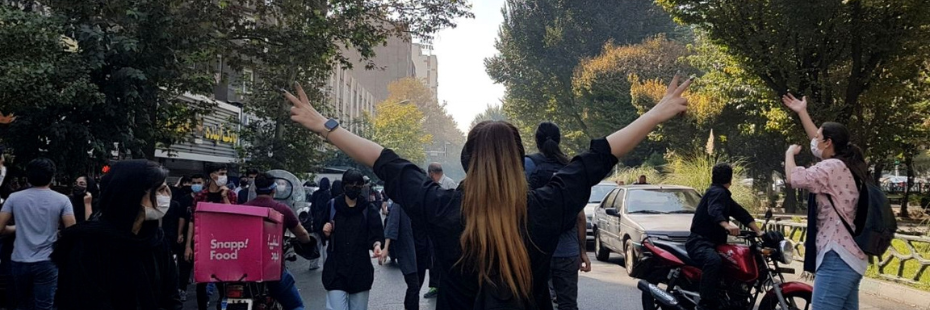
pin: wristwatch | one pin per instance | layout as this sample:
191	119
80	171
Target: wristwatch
330	125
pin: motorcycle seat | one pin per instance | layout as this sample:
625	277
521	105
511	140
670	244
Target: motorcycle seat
676	249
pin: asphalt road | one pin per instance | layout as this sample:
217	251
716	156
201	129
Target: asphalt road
606	287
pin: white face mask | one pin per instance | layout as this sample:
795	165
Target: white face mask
163	203
221	180
815	149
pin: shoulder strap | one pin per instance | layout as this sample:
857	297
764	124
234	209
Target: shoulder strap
332	209
845	224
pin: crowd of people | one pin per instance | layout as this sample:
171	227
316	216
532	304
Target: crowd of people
511	235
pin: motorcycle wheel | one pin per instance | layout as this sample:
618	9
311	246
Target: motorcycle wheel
796	301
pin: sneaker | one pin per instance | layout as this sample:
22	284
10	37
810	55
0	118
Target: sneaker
432	293
183	295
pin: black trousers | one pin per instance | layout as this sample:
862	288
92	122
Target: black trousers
435	273
704	253
412	297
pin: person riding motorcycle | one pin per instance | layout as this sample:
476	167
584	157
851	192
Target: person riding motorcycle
285	290
710	227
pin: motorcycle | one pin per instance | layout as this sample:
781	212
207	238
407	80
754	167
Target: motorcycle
253	295
748	272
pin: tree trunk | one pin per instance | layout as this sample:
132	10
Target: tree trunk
791	200
909	162
877	173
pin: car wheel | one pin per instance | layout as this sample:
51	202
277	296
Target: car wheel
601	253
629	258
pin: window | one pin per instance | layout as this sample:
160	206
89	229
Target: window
598	192
248	79
663	201
618	202
610	199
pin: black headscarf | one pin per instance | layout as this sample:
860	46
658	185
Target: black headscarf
122	190
337	189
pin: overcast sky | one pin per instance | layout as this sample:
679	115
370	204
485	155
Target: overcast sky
463	82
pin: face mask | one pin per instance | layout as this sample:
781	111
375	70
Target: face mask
163	203
196	188
79	189
221	181
816	150
353	192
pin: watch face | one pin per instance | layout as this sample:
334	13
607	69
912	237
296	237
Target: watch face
331	124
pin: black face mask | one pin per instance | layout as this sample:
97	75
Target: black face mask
353	192
79	190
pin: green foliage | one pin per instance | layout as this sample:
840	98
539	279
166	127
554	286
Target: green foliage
630	175
400	127
491	113
51	91
541	42
696	171
836	52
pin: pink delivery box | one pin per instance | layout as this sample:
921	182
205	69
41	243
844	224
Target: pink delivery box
237	243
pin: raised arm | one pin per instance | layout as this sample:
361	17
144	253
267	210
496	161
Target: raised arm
624	140
359	149
800	107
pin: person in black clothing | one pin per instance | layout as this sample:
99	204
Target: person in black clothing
319	204
245	185
570	255
82	198
122	260
175	226
353	230
710	227
493	236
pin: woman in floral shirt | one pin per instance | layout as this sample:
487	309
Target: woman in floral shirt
840	264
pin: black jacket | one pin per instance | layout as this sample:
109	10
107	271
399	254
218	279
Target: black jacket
551	210
348	267
717	206
100	267
319	205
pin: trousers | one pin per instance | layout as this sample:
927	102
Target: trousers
704	253
836	286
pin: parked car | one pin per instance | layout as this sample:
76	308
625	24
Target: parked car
633	213
598	192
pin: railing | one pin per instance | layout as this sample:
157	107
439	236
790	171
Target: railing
906	260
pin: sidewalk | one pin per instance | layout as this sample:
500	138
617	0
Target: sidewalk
890	291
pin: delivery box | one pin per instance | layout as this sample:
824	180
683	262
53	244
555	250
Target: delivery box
237	243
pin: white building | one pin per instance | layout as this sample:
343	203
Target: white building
426	66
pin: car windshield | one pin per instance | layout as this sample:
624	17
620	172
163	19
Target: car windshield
598	192
652	201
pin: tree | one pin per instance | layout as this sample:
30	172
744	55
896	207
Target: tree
541	42
50	89
833	51
491	113
400	127
448	140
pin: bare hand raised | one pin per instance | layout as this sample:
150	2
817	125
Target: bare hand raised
794	104
303	112
794	149
672	104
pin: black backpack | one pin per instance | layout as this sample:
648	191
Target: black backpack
875	221
540	169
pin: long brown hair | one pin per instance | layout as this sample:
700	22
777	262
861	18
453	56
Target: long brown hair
494	207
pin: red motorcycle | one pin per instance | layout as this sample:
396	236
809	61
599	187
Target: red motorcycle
749	271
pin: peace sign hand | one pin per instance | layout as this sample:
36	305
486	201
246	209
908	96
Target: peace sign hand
672	104
303	112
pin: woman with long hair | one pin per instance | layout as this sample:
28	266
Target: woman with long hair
121	260
832	254
493	235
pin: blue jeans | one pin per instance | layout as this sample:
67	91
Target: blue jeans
836	286
340	300
35	284
285	292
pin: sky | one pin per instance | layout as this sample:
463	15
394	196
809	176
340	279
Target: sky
461	51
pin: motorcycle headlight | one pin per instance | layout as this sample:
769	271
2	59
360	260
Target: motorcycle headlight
786	247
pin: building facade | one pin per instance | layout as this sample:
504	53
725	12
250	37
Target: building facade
426	67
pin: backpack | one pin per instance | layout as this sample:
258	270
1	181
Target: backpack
540	169
875	221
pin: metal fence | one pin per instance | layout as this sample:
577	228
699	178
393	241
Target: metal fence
906	260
